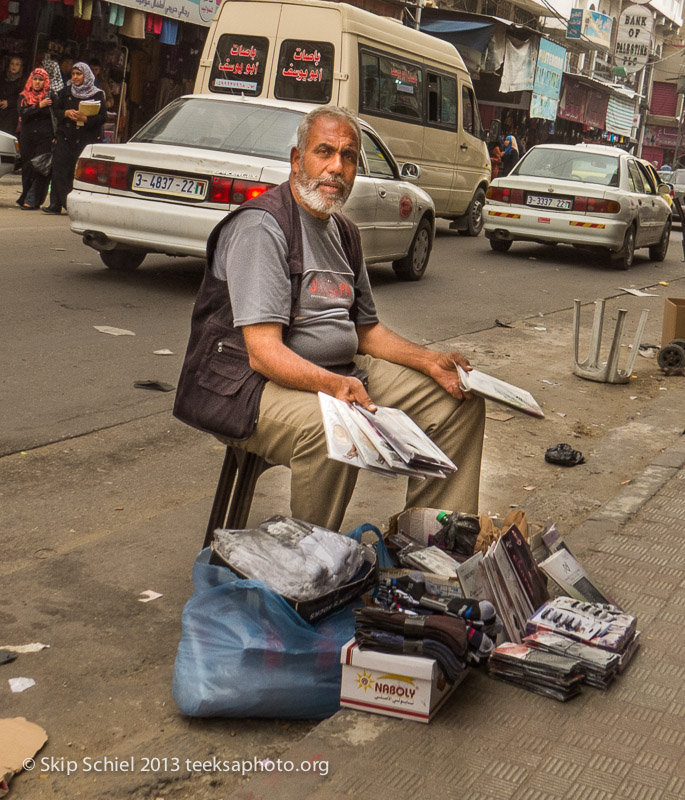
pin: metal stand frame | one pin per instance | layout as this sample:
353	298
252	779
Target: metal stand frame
236	486
606	372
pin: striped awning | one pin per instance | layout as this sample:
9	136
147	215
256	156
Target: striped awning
620	115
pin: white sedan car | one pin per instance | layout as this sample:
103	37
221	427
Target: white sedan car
9	152
203	155
590	196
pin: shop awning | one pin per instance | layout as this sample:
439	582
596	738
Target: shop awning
467	33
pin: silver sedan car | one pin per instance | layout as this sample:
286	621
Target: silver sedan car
9	152
590	196
202	156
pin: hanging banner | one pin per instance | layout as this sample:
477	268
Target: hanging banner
596	103
572	100
518	72
633	41
620	114
199	12
548	75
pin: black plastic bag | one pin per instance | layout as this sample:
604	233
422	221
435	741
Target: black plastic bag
564	455
42	163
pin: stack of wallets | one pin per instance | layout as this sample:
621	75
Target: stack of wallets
548	674
599	667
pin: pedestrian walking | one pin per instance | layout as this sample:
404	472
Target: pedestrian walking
75	130
510	156
495	160
10	88
35	139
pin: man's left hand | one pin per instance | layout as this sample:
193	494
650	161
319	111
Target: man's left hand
444	372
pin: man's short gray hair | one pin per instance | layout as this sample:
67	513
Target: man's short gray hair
333	112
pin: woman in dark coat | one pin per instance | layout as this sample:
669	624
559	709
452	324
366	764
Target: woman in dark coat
74	131
9	95
35	137
510	156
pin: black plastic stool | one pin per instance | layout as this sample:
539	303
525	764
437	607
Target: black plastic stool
234	491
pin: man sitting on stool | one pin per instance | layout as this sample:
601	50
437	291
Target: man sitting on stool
285	310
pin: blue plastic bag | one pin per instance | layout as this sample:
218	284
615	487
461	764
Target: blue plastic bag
244	652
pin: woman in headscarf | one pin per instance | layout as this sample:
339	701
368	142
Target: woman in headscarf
510	156
9	95
74	131
35	137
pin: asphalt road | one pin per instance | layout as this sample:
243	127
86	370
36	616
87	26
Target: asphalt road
63	378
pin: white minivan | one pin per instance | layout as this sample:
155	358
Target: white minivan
412	87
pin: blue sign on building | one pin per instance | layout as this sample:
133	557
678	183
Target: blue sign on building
548	75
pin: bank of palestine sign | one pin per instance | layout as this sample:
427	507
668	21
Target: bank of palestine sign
547	86
199	12
634	38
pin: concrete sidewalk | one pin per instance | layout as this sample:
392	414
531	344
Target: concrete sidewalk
495	741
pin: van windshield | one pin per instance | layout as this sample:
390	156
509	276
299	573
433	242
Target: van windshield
232	127
569	165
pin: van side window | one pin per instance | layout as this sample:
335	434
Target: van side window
391	86
239	65
470	115
379	163
442	100
305	71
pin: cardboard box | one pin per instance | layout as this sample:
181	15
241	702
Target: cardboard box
674	320
409	687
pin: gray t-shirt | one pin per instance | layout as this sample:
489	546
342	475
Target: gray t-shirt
251	256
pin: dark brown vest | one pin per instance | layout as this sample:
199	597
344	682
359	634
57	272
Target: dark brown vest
218	392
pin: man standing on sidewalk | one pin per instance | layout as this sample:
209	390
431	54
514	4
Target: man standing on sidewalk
285	310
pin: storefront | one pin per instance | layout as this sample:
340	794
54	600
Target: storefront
659	144
145	59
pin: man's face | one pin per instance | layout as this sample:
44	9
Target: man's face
323	175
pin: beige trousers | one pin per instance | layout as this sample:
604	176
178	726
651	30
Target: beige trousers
290	432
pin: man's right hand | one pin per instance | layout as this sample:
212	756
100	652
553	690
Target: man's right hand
352	390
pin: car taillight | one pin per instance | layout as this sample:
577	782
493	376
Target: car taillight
504	195
235	192
596	205
102	173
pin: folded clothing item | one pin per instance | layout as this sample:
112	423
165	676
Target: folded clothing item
451	632
369	639
299	565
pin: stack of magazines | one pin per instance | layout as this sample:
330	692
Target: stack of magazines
598	666
537	671
386	441
598	625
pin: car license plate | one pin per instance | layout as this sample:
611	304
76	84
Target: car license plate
169	184
548	202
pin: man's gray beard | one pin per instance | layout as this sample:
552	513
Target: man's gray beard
323	204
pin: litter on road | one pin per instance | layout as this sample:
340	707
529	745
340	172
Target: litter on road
113	331
21	684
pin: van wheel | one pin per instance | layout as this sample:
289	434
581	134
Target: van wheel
657	252
122	260
474	215
413	265
500	245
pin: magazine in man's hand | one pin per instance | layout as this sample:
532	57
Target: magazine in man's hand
487	386
387	441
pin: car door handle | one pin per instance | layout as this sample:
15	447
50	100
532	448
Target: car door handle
464	146
382	193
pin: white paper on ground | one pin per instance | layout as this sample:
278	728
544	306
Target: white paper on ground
113	331
21	684
148	595
34	647
637	292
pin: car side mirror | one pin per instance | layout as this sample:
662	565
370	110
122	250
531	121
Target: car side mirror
410	171
664	188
